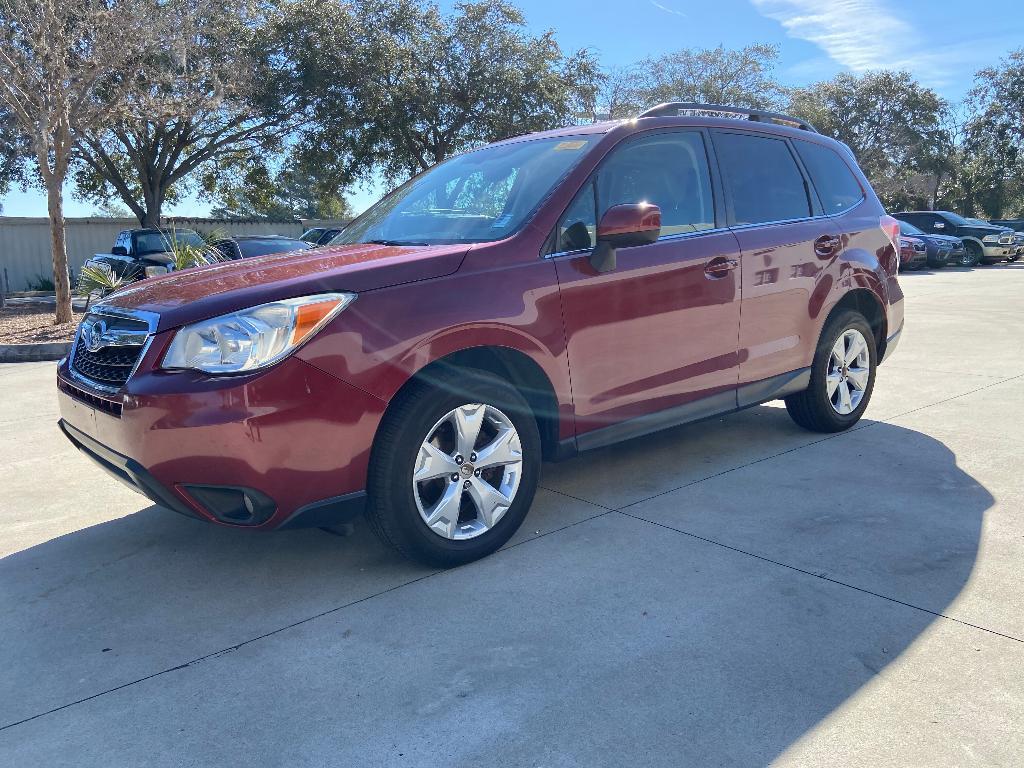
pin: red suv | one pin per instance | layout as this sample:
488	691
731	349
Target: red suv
528	300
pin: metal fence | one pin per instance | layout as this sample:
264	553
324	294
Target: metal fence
25	242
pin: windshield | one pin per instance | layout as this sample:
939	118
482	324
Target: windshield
160	242
270	245
477	197
906	228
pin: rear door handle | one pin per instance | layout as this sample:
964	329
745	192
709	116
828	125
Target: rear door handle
827	245
719	267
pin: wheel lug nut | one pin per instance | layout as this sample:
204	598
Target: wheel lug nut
466	485
477	473
459	459
472	457
455	478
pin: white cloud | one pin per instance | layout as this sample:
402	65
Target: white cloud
859	34
862	35
666	9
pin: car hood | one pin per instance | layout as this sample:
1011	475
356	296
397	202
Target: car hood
942	239
979	231
203	292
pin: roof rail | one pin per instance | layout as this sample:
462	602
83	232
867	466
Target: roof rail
673	108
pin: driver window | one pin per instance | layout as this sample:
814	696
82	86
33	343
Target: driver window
667	169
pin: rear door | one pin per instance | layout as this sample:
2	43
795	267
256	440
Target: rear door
658	332
785	241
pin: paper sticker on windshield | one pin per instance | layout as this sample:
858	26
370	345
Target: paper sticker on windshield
502	222
569	145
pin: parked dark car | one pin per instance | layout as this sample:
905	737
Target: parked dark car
416	371
985	243
1015	224
320	235
941	249
141	253
247	246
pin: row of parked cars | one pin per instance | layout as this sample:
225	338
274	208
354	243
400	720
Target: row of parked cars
150	251
937	238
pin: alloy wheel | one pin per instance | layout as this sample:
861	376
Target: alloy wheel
849	371
467	471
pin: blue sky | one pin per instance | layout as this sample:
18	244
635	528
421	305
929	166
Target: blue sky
941	42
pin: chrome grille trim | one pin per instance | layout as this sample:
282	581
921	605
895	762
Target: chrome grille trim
127	339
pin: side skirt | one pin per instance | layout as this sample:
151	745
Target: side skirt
745	396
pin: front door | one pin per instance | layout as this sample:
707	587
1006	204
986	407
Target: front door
658	334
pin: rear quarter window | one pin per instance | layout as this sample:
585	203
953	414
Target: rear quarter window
837	187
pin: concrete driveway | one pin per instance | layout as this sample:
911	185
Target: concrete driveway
731	593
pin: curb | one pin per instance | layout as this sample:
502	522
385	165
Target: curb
34	353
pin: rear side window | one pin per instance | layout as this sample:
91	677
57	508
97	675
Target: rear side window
667	169
837	187
762	179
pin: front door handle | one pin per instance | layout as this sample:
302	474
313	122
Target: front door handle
719	267
827	245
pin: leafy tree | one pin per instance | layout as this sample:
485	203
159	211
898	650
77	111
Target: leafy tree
297	191
995	137
891	122
231	96
13	153
68	67
739	78
400	85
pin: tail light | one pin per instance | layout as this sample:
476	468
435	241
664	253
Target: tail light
891	228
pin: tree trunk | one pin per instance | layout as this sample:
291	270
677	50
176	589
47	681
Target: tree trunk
58	249
151	200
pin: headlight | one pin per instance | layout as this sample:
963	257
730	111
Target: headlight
990	239
253	338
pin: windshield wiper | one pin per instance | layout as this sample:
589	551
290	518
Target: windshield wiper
391	242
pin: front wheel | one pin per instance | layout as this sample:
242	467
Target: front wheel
454	468
972	254
842	376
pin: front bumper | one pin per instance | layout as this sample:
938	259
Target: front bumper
997	252
288	447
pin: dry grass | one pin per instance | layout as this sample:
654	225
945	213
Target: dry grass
33	325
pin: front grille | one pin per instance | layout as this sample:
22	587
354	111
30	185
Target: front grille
109	366
108	348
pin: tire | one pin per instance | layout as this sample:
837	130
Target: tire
813	409
972	254
429	411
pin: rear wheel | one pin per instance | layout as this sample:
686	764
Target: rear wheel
842	376
454	469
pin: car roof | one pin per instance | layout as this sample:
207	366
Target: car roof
678	121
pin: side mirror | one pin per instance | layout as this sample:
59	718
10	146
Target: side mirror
119	250
624	226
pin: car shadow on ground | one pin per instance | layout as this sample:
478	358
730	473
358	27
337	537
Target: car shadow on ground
720	620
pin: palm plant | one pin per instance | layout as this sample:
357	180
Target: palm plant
94	280
185	255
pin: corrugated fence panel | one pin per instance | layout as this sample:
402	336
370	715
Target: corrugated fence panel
25	242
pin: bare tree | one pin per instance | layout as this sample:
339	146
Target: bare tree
67	67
